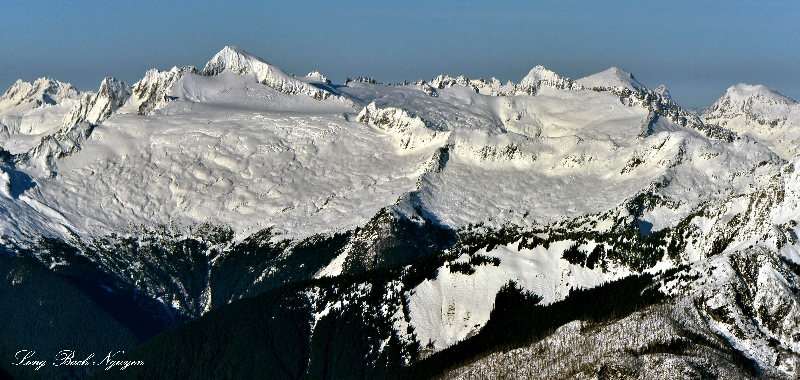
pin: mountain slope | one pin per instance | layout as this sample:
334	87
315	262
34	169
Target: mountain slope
24	96
759	112
612	78
405	210
717	310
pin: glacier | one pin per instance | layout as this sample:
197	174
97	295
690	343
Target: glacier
282	161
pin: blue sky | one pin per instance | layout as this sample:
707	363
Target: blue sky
696	48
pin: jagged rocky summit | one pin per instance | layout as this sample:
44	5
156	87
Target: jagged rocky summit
435	215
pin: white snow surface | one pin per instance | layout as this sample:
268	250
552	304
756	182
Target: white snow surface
613	78
454	306
761	113
243	144
235	152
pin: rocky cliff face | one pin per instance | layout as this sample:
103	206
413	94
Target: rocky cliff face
93	108
154	91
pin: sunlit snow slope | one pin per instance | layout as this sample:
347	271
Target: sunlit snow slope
288	161
243	144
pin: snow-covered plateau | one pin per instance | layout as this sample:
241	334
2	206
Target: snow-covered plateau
412	205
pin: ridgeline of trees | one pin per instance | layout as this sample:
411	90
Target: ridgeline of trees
270	334
46	312
518	320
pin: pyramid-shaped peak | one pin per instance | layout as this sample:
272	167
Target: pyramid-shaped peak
232	58
235	51
18	87
620	72
232	49
538	74
613	77
662	90
112	87
760	99
238	61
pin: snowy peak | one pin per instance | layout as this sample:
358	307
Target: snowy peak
114	89
756	105
743	96
25	96
493	87
154	91
236	60
611	79
96	107
318	77
540	76
762	113
662	90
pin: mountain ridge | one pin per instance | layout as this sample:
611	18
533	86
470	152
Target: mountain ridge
760	112
405	209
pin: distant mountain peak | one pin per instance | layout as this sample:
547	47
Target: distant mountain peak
317	76
662	90
613	77
744	91
760	112
743	97
539	76
42	91
238	61
234	59
233	49
45	85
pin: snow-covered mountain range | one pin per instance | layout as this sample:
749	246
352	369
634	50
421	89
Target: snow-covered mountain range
413	205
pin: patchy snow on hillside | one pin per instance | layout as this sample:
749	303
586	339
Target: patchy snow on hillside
454	305
738	302
242	145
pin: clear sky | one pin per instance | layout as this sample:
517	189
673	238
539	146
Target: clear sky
696	48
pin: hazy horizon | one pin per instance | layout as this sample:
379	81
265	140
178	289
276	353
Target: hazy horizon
696	50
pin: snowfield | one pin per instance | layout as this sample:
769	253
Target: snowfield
243	145
455	305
